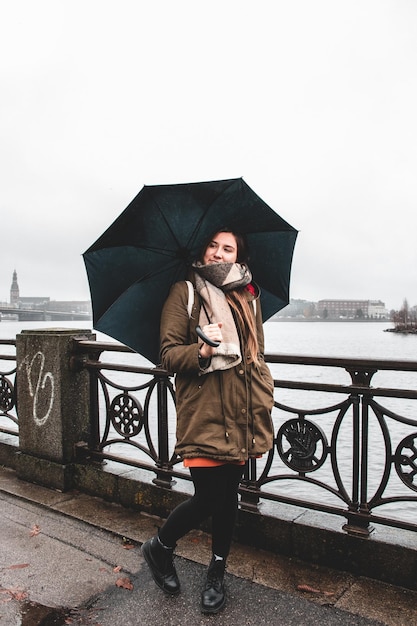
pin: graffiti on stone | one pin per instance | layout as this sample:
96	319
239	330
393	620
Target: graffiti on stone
41	387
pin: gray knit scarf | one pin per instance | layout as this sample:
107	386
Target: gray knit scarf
212	281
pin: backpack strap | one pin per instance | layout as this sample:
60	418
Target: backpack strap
190	297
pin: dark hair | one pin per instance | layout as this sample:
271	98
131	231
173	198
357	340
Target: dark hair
241	241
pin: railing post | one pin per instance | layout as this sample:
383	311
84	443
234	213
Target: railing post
53	403
363	504
163	475
358	517
77	364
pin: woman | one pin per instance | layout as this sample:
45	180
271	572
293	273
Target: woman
224	398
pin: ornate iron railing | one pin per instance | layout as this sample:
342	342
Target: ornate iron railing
338	448
351	455
8	413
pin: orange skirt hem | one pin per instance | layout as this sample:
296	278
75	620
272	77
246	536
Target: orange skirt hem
202	462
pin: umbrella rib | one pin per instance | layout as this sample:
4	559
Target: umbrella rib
161	251
167	223
197	224
196	229
173	235
152	274
204	215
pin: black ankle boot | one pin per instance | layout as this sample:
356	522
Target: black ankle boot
159	558
213	597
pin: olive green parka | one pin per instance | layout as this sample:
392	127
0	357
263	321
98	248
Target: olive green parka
222	415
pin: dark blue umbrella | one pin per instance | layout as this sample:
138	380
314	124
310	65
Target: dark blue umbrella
152	244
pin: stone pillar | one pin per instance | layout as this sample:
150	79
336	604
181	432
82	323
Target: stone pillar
52	405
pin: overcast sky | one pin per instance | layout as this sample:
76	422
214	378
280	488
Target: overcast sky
312	102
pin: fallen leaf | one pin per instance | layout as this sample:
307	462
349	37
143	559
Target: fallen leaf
308	589
7	599
35	530
125	583
15	594
128	546
18	566
19	595
117	569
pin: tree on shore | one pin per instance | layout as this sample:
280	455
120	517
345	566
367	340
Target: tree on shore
406	318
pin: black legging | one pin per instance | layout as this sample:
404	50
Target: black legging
216	496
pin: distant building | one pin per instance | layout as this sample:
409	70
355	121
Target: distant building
357	309
75	306
14	291
44	303
298	308
377	309
33	302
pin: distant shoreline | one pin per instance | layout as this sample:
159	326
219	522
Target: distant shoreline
402	331
336	321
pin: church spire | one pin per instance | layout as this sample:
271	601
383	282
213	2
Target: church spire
14	290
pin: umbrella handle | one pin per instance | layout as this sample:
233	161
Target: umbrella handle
213	344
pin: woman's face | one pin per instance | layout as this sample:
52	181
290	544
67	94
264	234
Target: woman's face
222	249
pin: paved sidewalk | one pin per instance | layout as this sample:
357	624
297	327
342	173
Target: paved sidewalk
68	558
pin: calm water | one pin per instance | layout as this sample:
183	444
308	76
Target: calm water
339	339
343	339
336	339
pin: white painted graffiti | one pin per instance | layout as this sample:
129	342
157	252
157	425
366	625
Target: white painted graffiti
36	366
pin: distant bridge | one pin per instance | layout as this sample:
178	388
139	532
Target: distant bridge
35	315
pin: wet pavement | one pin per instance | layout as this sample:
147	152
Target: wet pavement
69	558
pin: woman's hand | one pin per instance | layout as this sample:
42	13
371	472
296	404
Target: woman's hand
213	332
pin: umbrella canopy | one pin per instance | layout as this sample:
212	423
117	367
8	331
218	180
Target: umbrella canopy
152	244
